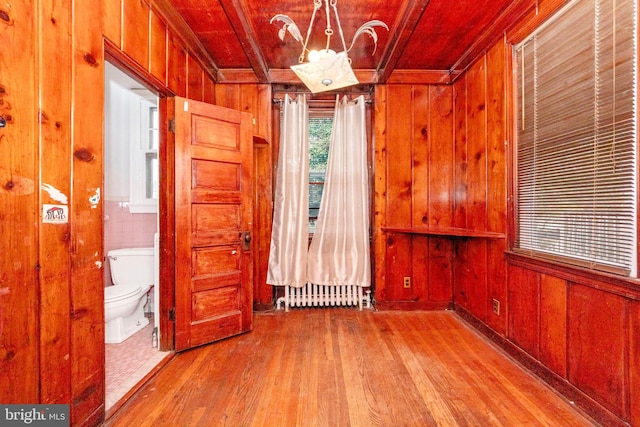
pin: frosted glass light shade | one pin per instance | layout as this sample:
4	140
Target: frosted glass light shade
329	73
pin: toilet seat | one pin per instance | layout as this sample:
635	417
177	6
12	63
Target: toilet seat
120	292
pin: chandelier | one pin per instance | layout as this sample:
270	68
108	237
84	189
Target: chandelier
325	69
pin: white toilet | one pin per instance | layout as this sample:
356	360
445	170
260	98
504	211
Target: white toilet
132	273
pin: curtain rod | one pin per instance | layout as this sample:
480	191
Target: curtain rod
279	98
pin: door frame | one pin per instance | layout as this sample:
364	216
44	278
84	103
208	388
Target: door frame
166	215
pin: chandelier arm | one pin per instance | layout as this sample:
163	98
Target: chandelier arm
316	5
328	32
334	4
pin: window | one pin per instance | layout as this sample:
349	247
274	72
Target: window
576	129
144	161
319	130
319	140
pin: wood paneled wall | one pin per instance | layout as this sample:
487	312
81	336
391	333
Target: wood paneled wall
52	95
442	159
414	186
439	165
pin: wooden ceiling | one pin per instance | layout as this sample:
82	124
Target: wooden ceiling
430	40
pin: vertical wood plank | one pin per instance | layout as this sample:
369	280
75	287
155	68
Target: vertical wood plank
523	315
19	382
86	216
477	186
496	184
399	169
461	157
194	79
421	154
176	66
461	270
441	190
420	159
553	324
228	95
158	48
55	128
380	191
208	90
112	21
135	35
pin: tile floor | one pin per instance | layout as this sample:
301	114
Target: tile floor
128	362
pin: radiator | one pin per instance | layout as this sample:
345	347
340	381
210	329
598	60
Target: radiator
312	295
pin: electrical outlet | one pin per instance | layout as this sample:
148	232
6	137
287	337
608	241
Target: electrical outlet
407	282
496	306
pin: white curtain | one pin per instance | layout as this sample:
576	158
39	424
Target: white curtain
290	232
339	251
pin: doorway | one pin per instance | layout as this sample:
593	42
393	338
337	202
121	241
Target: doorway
131	176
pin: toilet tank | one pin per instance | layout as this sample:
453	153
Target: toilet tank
132	266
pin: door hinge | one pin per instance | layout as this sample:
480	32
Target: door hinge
172	314
171	125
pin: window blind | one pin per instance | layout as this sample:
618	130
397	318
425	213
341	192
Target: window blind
576	137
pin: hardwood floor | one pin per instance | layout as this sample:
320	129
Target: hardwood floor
343	367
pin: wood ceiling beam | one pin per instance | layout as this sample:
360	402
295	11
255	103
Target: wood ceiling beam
406	22
237	15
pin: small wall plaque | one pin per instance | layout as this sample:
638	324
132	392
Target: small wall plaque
55	214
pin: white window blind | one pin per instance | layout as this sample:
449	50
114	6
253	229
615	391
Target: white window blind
576	129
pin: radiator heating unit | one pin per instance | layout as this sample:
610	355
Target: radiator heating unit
312	295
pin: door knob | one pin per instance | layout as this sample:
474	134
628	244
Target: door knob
246	240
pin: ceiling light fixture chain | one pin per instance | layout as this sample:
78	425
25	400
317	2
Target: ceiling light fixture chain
326	69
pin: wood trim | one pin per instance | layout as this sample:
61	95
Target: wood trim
421	77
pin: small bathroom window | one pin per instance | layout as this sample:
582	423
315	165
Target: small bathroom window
144	160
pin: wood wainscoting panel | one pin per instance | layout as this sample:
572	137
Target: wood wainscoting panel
634	362
523	314
597	347
553	324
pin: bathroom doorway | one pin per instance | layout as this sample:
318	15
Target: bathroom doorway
131	177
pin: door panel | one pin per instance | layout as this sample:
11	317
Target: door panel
213	193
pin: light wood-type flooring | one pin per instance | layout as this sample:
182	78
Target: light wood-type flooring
343	367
